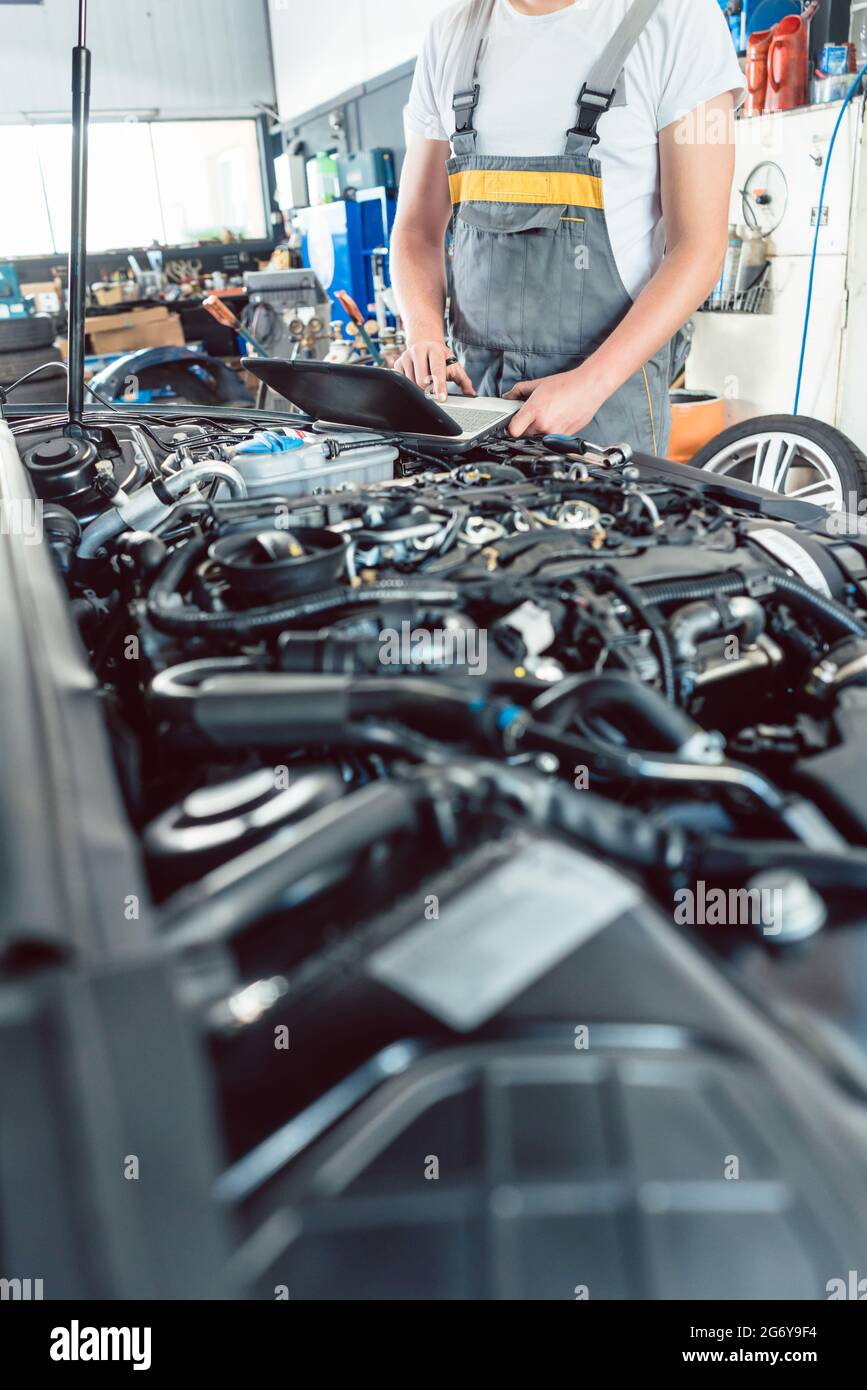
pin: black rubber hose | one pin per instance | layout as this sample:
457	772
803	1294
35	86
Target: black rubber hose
629	595
820	606
428	705
336	651
645	716
328	651
688	591
622	833
267	709
168	615
678	591
668	770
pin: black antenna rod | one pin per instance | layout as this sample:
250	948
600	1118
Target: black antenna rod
78	224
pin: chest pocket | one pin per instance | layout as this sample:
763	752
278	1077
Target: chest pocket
510	217
516	275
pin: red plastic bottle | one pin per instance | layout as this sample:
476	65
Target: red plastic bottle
788	64
758	47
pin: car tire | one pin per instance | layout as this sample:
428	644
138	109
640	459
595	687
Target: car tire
17	364
17	335
48	388
776	451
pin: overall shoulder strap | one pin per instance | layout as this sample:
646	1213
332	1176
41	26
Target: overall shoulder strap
466	87
604	84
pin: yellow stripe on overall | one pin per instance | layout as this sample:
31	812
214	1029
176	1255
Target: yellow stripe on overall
526	186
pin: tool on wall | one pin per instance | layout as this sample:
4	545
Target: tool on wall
356	317
220	311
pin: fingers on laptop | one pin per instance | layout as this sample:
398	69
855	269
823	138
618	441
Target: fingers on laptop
456	373
523	421
425	363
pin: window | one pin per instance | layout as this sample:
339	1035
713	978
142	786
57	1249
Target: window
210	179
25	227
167	182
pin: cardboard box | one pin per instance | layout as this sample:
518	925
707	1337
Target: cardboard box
167	334
106	295
140	328
133	318
44	296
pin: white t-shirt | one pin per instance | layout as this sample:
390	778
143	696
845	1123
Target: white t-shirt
532	70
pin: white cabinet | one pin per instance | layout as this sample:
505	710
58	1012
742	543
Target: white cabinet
752	359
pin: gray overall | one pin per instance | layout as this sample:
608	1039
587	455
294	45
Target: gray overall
535	288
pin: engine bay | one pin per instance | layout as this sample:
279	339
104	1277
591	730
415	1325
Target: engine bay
353	691
246	592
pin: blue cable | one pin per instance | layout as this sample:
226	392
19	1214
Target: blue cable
856	85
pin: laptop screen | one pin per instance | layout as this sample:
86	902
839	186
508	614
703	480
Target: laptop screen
369	397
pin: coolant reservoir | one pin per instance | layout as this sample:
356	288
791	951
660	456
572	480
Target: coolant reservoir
272	462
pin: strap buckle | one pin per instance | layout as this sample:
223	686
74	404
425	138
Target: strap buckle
591	106
463	105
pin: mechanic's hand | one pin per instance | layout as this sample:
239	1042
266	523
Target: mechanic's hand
424	363
561	404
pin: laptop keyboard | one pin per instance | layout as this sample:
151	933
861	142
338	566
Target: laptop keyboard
471	420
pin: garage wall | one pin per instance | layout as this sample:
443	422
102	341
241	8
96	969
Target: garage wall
326	48
371	114
180	58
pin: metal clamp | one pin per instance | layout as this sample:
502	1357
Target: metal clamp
463	105
591	106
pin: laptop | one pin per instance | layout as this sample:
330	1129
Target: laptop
373	398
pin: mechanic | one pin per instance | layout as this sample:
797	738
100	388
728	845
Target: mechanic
582	240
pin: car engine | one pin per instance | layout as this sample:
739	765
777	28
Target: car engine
432	765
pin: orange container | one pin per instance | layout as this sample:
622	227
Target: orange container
757	72
788	64
697	417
